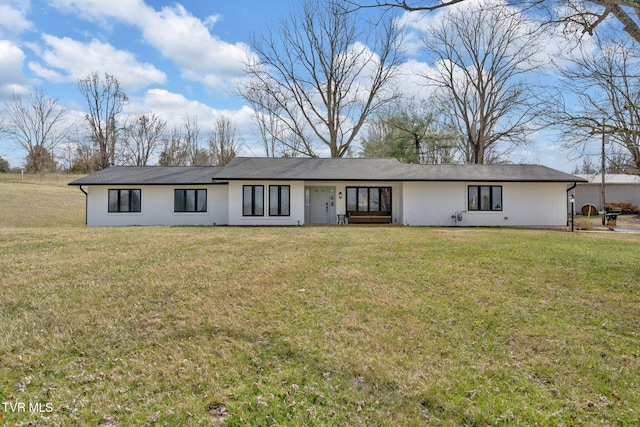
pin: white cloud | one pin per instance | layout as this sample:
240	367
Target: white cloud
176	34
11	63
412	80
174	107
13	17
101	12
46	73
185	40
66	59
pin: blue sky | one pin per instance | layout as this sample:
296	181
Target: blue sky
172	58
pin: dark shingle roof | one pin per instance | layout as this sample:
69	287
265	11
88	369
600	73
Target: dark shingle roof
306	169
382	170
487	173
150	175
249	168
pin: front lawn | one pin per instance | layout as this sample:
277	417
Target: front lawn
319	326
312	325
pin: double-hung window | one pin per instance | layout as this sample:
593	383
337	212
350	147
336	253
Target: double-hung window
124	201
485	198
253	200
279	200
189	200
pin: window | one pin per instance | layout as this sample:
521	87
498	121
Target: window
279	200
189	200
369	199
352	200
124	200
485	198
253	200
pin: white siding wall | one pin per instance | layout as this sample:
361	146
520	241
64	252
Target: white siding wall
525	204
432	203
157	207
235	204
414	203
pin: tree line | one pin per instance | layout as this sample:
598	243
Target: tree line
326	80
313	88
38	124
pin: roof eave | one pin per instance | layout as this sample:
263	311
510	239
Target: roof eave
402	179
149	183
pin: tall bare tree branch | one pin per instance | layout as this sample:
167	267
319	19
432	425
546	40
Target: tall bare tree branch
223	143
105	100
586	14
36	124
606	83
482	54
198	154
323	73
142	136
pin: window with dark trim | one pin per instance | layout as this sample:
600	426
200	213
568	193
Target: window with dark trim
253	200
369	199
124	201
279	200
485	198
185	200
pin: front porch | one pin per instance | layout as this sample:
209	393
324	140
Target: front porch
352	203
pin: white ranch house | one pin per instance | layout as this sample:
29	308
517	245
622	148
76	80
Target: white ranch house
301	191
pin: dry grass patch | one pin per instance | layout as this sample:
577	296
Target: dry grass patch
41	201
584	222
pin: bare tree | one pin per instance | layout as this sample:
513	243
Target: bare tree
38	125
105	100
587	167
143	135
483	55
319	76
583	16
198	155
277	140
223	142
82	154
174	152
183	146
606	83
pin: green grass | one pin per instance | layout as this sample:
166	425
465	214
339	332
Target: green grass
314	326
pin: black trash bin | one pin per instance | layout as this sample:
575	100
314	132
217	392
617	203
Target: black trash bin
611	220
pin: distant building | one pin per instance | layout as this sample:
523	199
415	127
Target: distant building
619	189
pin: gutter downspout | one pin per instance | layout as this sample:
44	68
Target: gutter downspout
86	204
575	184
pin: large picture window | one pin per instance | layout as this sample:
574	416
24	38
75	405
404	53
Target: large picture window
279	200
253	200
189	200
124	201
369	199
485	198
